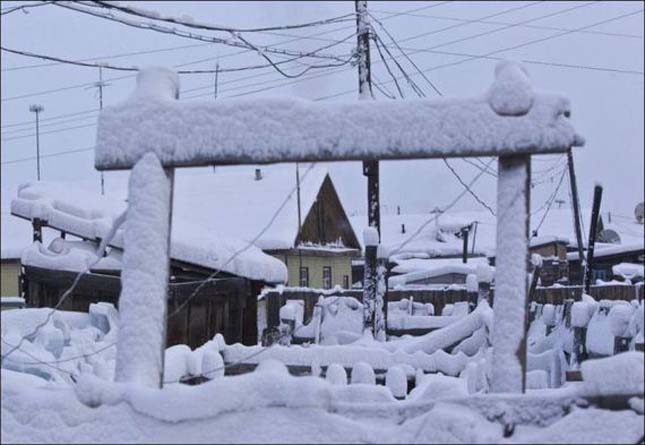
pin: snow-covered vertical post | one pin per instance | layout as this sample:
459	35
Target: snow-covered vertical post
511	95
144	278
472	288
143	303
370	239
380	303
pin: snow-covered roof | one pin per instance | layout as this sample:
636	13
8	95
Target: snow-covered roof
73	256
88	215
556	227
603	250
231	201
434	268
510	118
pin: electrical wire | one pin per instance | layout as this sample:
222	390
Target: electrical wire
498	23
23	8
51	155
473	194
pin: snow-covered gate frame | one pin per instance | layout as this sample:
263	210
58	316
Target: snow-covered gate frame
153	130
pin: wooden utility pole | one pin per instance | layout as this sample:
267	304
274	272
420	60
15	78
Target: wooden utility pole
595	214
576	208
370	168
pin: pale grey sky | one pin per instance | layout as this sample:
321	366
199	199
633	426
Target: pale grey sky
607	102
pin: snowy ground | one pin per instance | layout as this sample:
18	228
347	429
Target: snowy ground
269	405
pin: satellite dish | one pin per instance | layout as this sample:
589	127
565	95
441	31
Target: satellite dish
639	212
609	236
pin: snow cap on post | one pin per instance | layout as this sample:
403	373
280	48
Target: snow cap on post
484	273
157	83
382	252
370	236
472	284
619	317
511	93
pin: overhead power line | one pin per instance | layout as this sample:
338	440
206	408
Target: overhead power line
23	8
152	15
173	31
495	22
51	155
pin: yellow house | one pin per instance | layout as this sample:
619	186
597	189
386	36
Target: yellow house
246	201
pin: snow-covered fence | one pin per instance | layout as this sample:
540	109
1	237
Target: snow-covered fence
511	121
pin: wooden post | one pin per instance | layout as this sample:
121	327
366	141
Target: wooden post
464	254
370	237
380	301
595	214
37	232
576	209
512	259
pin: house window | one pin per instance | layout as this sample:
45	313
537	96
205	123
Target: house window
326	281
346	281
304	277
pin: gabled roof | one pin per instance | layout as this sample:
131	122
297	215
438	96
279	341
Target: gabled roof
231	201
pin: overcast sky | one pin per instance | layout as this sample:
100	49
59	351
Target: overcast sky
607	101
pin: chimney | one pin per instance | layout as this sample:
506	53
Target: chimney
258	174
402	228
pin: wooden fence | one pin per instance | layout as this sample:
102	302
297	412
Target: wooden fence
441	297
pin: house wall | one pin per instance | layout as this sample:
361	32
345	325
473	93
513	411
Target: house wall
10	278
340	266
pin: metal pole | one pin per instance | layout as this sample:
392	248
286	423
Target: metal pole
37	109
595	214
576	208
216	85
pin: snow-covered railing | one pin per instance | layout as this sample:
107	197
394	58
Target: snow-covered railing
510	121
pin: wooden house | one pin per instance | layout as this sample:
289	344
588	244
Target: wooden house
226	303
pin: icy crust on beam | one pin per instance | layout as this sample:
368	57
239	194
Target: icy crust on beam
508	119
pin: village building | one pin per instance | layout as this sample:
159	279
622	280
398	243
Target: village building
264	205
208	293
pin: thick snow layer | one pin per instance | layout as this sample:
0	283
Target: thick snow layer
432	270
363	373
619	318
370	236
451	334
548	314
511	94
336	374
397	381
90	215
621	374
279	130
590	425
581	313
74	256
629	271
510	277
600	339
142	303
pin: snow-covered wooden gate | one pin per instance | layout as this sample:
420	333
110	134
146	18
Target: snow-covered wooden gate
153	132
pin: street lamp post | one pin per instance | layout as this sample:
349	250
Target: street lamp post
37	109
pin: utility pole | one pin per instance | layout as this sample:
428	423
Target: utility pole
299	222
37	109
100	84
216	84
595	214
370	168
576	209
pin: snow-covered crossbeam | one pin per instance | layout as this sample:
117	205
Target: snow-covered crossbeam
509	119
